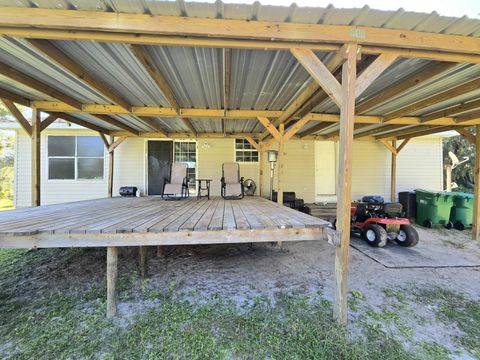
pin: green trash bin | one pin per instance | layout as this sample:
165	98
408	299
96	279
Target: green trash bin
433	207
461	215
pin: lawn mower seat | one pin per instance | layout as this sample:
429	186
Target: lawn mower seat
373	199
392	210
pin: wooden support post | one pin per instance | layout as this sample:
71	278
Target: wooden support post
280	163
476	206
347	113
393	173
142	257
110	168
112	277
36	132
261	164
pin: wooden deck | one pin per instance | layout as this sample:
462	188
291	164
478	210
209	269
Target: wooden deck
154	221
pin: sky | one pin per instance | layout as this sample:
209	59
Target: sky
457	8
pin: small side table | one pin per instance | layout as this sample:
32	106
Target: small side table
204	187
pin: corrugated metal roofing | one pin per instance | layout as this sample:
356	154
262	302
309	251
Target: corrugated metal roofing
259	79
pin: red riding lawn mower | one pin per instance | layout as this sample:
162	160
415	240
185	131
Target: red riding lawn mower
377	222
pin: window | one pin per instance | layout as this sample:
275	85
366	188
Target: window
245	152
75	158
186	152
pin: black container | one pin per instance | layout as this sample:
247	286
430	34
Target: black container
288	196
409	203
128	191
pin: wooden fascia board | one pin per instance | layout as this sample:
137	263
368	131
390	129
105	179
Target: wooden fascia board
236	29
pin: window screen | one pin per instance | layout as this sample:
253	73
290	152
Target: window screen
186	152
75	158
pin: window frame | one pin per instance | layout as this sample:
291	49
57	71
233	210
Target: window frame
75	158
252	150
192	184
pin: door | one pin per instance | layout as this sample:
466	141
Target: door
160	157
325	178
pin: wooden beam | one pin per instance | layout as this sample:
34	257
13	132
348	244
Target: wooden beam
436	130
8	95
377	130
227	70
151	123
47	19
27	80
451	111
75	120
67	63
49	120
18	116
117	123
112	280
316	128
320	73
390	147
476	191
464	118
296	127
142	261
149	65
344	188
370	74
435	99
405	131
189	125
402	145
104	140
403	85
35	157
393	172
467	135
271	129
336	133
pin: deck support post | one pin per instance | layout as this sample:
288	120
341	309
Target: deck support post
476	206
142	257
112	277
393	173
261	163
347	113
35	166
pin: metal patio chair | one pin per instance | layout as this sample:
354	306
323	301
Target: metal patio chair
232	183
177	186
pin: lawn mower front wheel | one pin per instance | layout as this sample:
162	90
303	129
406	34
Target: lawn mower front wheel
375	235
407	236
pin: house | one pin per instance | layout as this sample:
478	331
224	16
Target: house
310	168
351	97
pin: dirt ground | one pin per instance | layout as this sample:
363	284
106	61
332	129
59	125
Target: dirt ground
244	272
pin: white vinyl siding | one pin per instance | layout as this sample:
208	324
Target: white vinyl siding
419	166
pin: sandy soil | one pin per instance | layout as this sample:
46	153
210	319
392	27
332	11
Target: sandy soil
243	272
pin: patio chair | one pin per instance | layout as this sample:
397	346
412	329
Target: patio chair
177	186
232	183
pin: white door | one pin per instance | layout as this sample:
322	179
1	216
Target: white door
325	174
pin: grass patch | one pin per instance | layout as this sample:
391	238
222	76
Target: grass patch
6	204
451	307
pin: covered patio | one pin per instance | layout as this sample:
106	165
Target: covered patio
268	75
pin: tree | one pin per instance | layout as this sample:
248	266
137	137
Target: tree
463	175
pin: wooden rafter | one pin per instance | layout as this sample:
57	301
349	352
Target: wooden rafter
55	54
424	132
403	85
371	73
316	128
151	123
18	116
380	129
227	70
336	133
320	73
5	94
27	80
470	116
49	19
409	130
75	120
451	111
435	99
117	123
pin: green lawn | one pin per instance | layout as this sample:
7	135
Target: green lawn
6	204
45	315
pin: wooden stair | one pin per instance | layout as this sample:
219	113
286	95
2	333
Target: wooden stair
325	211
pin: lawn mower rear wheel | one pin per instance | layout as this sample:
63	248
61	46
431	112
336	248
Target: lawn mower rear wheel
375	235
